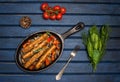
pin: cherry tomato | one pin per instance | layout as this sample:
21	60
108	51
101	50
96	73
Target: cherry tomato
50	10
63	10
49	39
47	62
44	6
45	15
59	16
57	7
53	17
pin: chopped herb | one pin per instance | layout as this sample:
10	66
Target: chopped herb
48	33
36	51
39	35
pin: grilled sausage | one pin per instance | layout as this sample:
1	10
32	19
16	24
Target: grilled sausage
34	57
43	57
29	54
37	41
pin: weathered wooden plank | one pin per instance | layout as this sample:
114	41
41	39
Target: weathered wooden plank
71	8
17	31
38	20
7	55
13	43
111	56
72	68
65	78
94	1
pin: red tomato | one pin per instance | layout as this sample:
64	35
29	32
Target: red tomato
57	7
63	10
49	39
53	17
50	10
59	16
44	6
45	15
47	62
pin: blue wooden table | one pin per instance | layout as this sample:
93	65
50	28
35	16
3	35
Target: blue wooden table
91	12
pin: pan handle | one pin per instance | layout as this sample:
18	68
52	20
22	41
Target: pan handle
73	30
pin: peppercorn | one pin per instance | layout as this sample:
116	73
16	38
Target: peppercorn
25	22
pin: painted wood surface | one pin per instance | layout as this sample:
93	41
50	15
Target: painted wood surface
91	12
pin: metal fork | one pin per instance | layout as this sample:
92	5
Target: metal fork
72	54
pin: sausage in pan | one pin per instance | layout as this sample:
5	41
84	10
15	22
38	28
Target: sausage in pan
40	61
37	41
36	56
29	54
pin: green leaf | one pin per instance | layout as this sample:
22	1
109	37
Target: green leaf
105	31
93	29
96	43
94	34
100	45
96	59
89	48
84	37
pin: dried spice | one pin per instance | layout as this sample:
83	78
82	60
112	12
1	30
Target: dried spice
25	22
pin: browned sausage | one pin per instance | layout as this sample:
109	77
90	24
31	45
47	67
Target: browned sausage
37	41
29	54
34	57
43	57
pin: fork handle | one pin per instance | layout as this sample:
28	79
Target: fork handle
59	75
